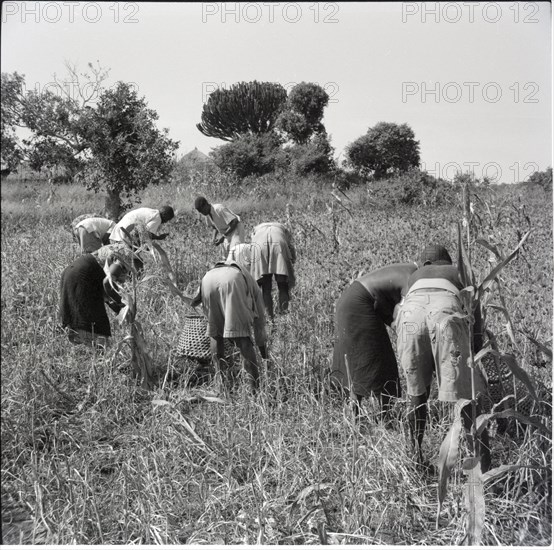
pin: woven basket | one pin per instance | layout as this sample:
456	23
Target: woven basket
501	384
193	341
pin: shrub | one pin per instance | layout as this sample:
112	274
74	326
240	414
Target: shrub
315	157
345	179
414	187
249	155
544	179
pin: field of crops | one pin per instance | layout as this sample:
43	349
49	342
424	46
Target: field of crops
90	458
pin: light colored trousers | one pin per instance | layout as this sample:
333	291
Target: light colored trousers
433	337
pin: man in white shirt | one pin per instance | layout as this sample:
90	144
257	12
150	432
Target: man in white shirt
128	229
224	221
92	233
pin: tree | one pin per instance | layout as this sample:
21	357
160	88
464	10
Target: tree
303	112
107	138
54	118
249	155
128	151
315	157
246	108
385	147
10	118
544	179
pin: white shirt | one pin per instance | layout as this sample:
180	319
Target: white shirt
98	226
220	217
149	217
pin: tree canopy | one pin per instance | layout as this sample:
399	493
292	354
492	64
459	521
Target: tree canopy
245	108
127	149
54	118
10	118
302	115
384	148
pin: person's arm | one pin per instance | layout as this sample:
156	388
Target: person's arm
196	300
382	309
231	227
112	296
159	237
111	287
217	240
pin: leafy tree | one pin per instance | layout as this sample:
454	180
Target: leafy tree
246	108
544	179
10	118
12	154
249	155
53	155
385	147
128	151
105	137
294	126
54	119
303	112
315	157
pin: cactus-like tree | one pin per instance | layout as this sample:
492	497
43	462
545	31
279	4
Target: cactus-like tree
245	108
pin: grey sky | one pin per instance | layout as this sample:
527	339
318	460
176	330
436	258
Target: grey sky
473	80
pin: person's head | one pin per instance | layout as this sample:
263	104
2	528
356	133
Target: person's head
166	213
202	205
434	254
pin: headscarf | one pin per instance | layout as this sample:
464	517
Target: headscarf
434	253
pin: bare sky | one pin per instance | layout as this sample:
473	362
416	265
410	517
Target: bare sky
473	80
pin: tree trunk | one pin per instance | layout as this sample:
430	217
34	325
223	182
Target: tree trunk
112	205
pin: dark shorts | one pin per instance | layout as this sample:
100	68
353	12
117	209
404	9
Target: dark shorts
363	358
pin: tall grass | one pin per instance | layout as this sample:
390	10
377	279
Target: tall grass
90	458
